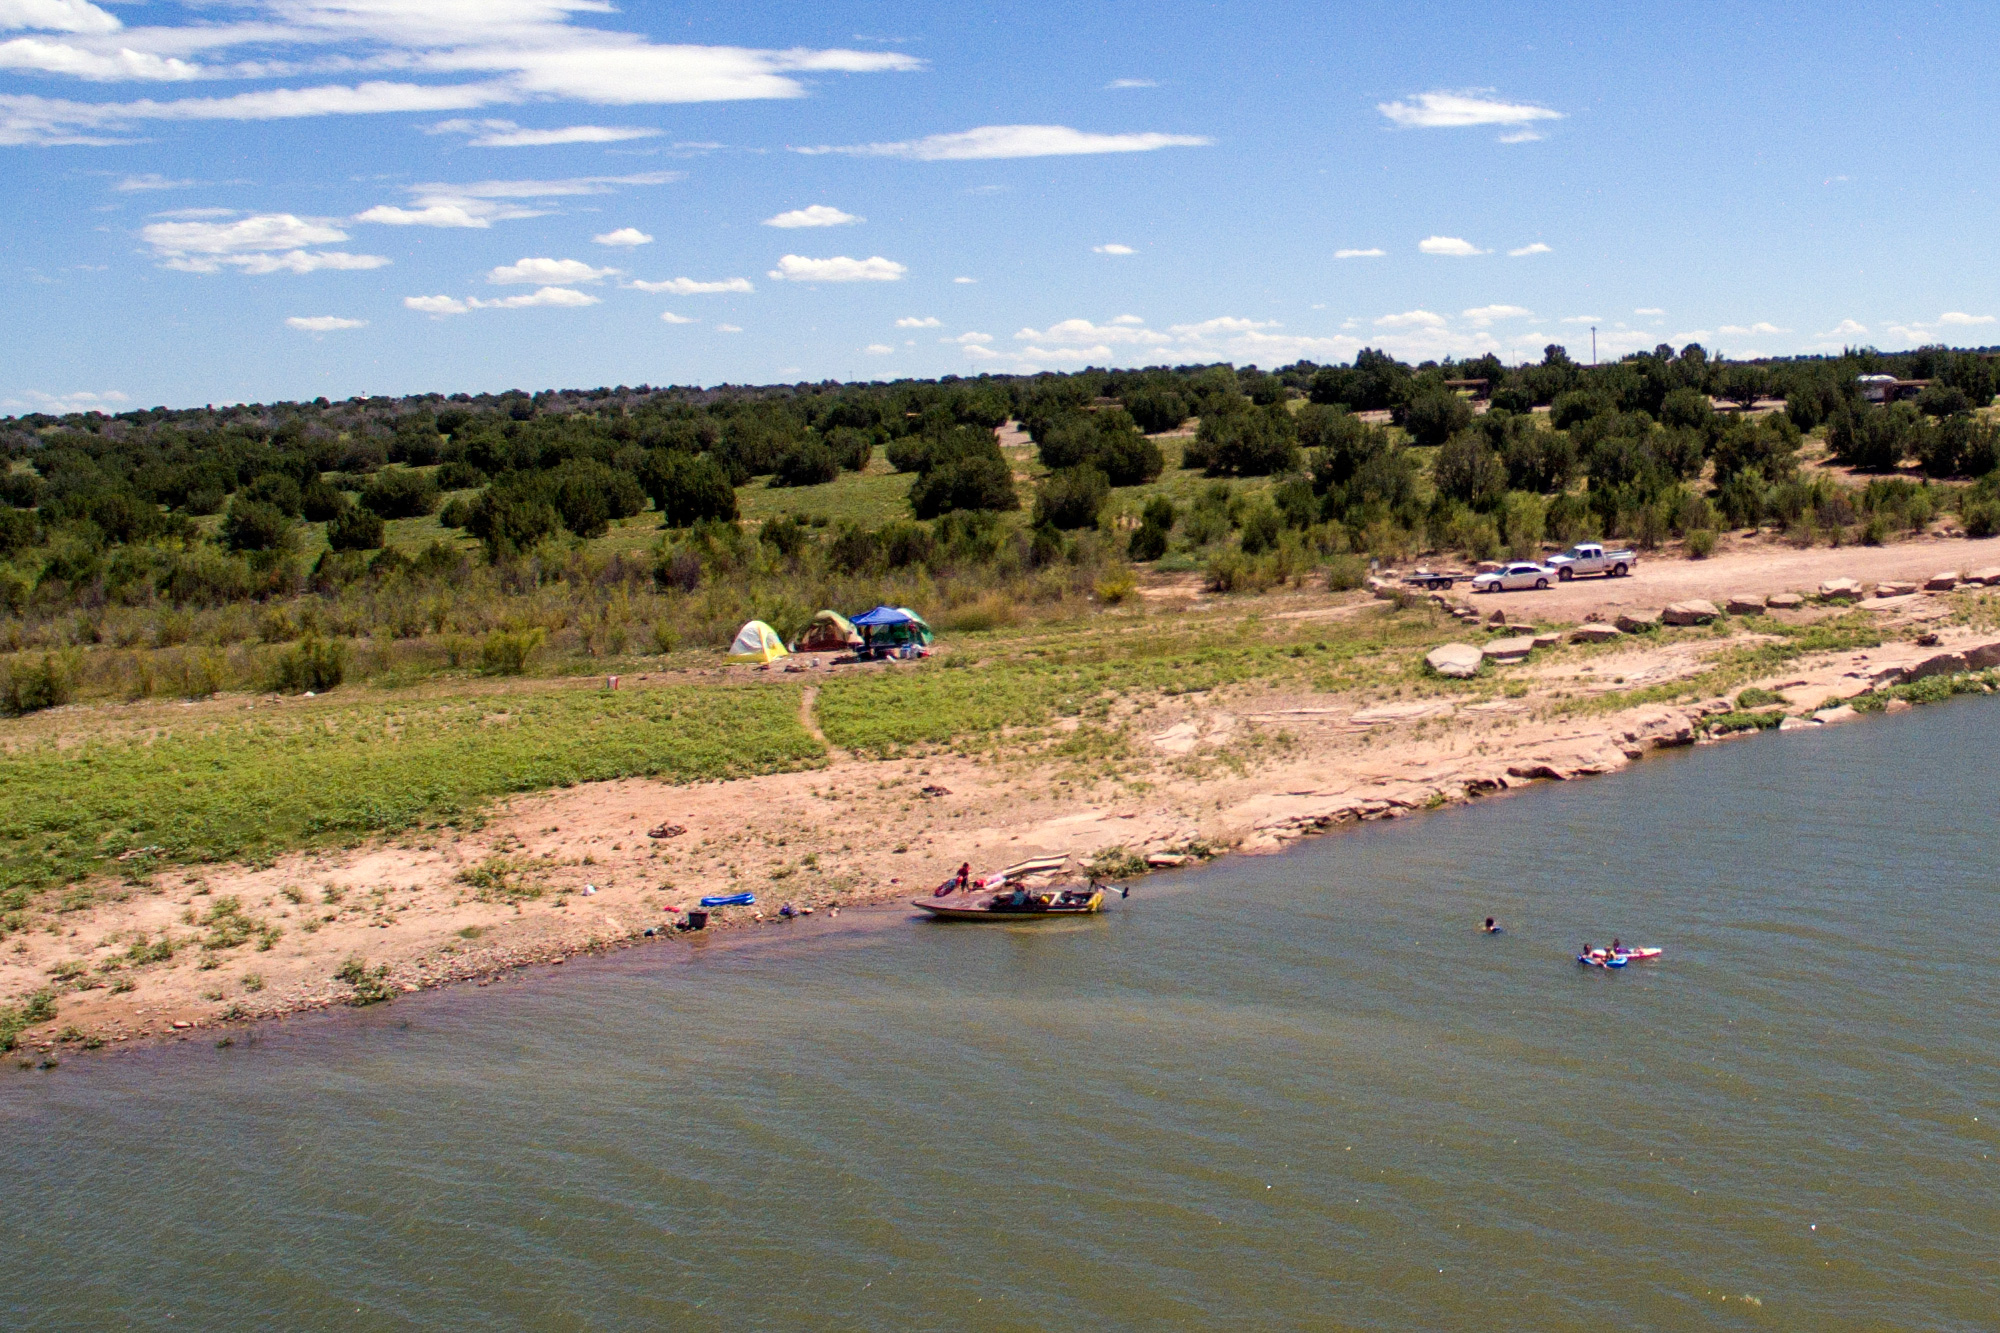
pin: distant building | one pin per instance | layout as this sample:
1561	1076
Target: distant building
1889	389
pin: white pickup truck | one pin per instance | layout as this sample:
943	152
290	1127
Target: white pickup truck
1590	558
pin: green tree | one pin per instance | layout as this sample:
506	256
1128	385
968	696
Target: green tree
355	529
1072	497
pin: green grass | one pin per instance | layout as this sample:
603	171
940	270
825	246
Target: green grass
872	497
1733	666
257	785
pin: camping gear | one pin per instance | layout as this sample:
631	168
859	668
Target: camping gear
1022	905
729	900
696	921
757	642
830	632
891	630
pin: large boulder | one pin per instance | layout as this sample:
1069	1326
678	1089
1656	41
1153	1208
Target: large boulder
1842	588
1784	601
1988	576
1745	606
1595	634
1894	588
1515	649
1943	664
1944	582
1694	612
1842	713
1983	657
1634	622
1460	661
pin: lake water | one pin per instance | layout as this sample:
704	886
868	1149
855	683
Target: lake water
1275	1093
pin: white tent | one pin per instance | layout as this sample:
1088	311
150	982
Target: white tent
757	642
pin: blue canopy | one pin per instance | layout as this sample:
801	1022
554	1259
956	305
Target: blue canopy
890	615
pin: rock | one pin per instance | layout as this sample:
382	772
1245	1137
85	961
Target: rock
1840	588
1511	650
1944	582
1745	606
1894	588
1549	640
1634	622
1943	664
1460	661
1383	589
1898	706
1843	713
1795	724
1595	634
1694	612
1986	577
1983	657
1783	601
1497	618
1167	860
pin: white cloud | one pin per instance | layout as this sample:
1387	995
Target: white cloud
545	296
1370	253
1743	331
34	400
151	180
878	349
969	339
324	323
1113	249
1460	110
261	243
482	203
912	322
1078	332
57	16
506	134
965	282
816	215
1412	319
1583	319
548	271
1523	136
1132	83
689	287
669	317
798	268
472	54
1649	310
1001	141
1536	248
1959	319
624	236
729	328
1456	246
1481	316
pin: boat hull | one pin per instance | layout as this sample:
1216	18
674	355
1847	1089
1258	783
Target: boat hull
944	912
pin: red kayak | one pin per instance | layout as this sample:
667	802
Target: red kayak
1640	955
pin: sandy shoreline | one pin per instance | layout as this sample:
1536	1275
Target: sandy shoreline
568	872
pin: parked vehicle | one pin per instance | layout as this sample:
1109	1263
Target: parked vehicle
1590	558
1508	578
1437	580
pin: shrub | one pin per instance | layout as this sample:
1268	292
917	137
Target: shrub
1346	572
1701	543
321	502
1148	542
969	483
29	686
356	529
1072	497
1435	416
311	664
1261	526
371	986
397	492
510	523
277	490
688	488
807	463
1116	586
252	525
459	475
456	513
851	448
506	653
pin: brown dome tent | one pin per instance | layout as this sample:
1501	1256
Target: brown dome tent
830	632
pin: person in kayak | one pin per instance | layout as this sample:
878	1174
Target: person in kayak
1491	927
1616	946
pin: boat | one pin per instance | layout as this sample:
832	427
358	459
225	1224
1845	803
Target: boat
1021	905
1644	955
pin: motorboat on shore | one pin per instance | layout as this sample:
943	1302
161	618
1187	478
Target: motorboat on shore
1019	904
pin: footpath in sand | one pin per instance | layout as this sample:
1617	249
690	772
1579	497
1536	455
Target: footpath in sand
1234	770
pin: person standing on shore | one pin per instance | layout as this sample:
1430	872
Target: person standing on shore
964	875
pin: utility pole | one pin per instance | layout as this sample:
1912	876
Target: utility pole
1593	344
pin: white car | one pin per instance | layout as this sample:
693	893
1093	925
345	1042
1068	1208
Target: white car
1520	574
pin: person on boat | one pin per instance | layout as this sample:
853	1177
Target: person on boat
1617	947
964	875
1491	927
1588	955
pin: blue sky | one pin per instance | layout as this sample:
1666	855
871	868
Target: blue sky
220	202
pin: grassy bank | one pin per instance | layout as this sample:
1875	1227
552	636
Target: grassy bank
251	784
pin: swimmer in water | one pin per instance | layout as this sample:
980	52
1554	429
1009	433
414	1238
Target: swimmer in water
1491	927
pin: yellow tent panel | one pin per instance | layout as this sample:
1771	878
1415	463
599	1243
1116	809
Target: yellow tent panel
757	642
